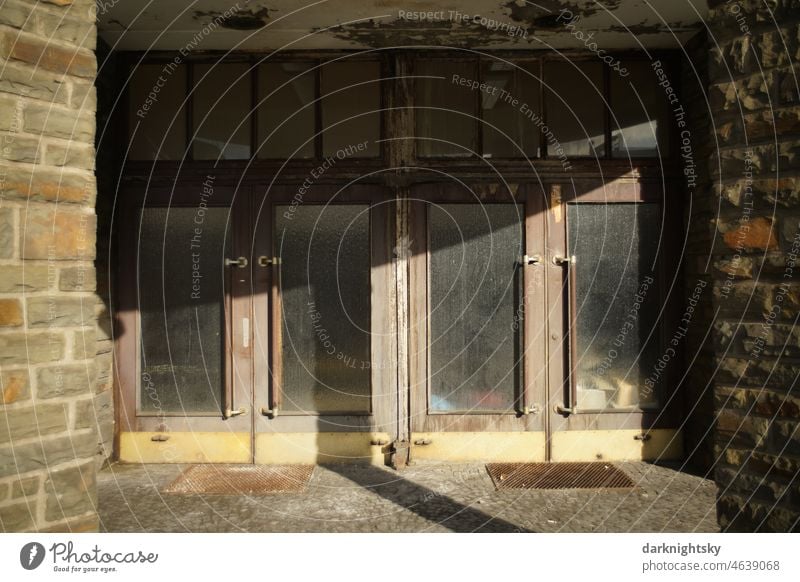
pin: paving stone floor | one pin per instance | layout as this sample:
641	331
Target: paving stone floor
421	498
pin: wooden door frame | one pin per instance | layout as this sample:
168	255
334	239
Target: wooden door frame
176	436
340	430
421	421
656	430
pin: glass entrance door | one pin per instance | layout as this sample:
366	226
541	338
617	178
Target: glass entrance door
608	269
183	352
477	315
325	381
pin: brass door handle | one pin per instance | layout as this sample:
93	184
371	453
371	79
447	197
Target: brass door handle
530	259
269	412
264	261
231	413
561	260
241	262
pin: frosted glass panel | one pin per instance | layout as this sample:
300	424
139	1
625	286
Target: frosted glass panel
617	303
325	296
573	96
221	111
640	128
157	119
286	111
510	109
349	90
475	294
441	105
181	291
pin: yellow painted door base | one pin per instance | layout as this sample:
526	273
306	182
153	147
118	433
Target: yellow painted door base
617	445
184	447
370	447
464	447
321	447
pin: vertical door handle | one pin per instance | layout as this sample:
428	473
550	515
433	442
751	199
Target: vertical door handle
570	405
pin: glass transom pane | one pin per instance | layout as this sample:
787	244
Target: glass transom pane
573	96
286	114
221	111
445	110
156	118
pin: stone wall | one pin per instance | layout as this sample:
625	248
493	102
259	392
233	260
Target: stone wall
754	96
48	306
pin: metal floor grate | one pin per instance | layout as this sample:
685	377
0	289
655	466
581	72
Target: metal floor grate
241	479
558	476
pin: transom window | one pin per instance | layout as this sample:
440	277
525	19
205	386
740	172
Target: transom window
310	109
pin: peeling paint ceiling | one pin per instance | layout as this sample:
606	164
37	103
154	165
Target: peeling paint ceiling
358	24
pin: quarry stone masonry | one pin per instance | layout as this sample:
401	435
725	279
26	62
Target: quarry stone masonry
755	102
54	388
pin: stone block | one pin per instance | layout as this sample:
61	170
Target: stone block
32	421
70	492
15	386
58	234
22	79
59	122
50	184
77	279
9	115
49	452
25	487
11	313
17	516
25	349
60	311
19	148
24	278
65	380
84	344
38	52
70	155
7	230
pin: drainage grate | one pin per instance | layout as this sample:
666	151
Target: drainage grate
241	479
558	476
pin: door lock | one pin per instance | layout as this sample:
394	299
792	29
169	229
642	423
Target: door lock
241	262
264	261
238	412
532	409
